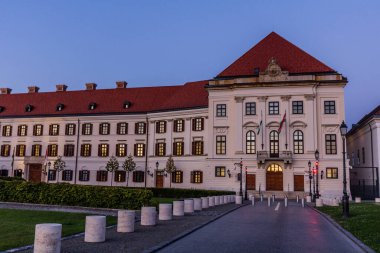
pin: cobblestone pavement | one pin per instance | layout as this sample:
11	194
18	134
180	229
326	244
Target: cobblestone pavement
144	238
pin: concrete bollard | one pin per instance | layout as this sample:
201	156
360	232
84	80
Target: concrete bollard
308	199
303	202
298	198
318	202
335	202
261	197
189	206
165	211
47	238
253	200
95	230
197	204
358	200
148	216
221	200
217	200
268	201
125	221
273	198
226	200
211	201
286	202
239	200
250	197
377	200
178	208
204	202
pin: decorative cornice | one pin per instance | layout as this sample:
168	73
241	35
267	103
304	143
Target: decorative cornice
262	99
239	99
286	98
309	96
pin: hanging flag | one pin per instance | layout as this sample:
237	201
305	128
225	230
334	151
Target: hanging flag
259	128
13	157
282	123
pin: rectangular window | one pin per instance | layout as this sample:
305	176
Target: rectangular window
36	150
274	108
332	173
70	129
197	148
5	150
103	150
38	130
160	149
119	176
297	107
363	155
85	150
160	127
221	110
102	176
52	150
138	176
104	129
84	175
20	150
22	130
178	147
52	175
220	144
179	125
4	173
7	130
198	124
69	150
331	144
140	128
330	107
122	128
139	149
196	177
250	108
220	171
67	175
54	129
87	129
121	150
177	177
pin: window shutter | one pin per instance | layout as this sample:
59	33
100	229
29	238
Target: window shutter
201	176
156	149
174	148
98	175
136	128
108	149
202	124
83	128
201	147
181	176
164	149
175	123
135	150
192	177
99	149
143	149
182	148
50	129
193	124
157	127
193	144
173	177
164	126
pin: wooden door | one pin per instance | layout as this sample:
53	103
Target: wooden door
299	183
274	181
159	179
35	172
251	182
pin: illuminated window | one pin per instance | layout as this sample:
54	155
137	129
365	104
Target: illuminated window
7	130
54	129
178	147
121	150
179	125
104	128
298	142
119	176
52	150
274	168
250	147
22	130
139	150
160	127
160	149
220	144
220	171
122	128
5	150
332	173
103	150
177	177
85	150
87	129
70	129
36	150
38	130
196	177
20	150
197	148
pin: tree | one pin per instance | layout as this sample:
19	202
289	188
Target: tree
112	166
129	165
170	168
59	165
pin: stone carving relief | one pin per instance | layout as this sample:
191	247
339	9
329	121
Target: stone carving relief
221	130
273	72
330	128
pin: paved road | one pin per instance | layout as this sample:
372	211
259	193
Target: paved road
263	229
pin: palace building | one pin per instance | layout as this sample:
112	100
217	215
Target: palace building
268	112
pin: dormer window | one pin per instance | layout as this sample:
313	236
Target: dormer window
92	106
60	107
2	108
28	108
126	104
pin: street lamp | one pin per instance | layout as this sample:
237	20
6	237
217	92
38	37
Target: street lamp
246	192
316	154
157	164
345	201
310	177
241	176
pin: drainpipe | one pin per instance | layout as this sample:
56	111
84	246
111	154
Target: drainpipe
77	152
375	186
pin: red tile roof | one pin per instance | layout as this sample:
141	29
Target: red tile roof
146	99
290	58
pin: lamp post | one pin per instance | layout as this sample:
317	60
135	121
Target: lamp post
241	176
246	191
316	154
309	164
314	185
345	201
157	164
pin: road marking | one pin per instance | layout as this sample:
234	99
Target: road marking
277	207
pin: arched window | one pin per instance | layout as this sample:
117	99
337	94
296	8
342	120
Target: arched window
274	144
274	168
298	142
250	144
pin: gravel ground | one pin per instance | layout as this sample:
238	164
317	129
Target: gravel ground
144	238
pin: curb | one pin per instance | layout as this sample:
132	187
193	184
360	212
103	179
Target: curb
350	236
190	231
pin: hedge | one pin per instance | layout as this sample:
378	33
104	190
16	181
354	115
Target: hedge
186	193
11	179
74	195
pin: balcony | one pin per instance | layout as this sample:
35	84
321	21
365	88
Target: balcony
264	156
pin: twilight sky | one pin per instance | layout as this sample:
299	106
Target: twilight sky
169	42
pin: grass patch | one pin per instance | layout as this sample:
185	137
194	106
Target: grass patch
17	226
364	222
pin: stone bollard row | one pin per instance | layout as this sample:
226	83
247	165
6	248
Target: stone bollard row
189	206
217	200
286	201
239	200
269	201
303	202
318	202
197	204
126	221
204	202
211	201
165	211
226	200
358	200
178	208
47	238
377	200
253	200
148	216
308	199
95	229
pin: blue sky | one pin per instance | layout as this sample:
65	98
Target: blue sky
158	42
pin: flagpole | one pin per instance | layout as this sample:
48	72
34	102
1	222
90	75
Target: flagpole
262	131
286	133
13	161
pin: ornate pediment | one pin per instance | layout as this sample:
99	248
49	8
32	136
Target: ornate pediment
273	72
250	124
273	124
330	128
298	123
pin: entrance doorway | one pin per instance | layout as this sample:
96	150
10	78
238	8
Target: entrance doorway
299	183
251	182
35	173
274	178
159	179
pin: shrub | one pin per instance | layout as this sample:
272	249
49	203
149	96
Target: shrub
74	195
11	179
186	193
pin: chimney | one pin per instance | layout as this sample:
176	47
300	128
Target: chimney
121	84
33	89
91	86
61	87
5	91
